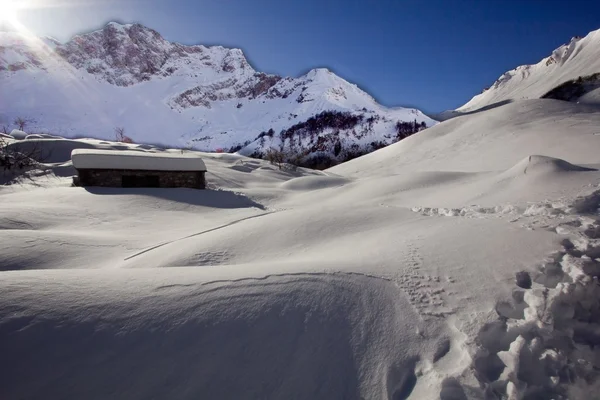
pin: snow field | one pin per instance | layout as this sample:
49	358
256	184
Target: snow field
391	276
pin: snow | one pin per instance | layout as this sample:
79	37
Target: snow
17	134
592	97
577	58
392	276
455	145
205	97
142	160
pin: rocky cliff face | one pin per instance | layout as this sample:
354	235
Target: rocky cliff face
124	55
209	97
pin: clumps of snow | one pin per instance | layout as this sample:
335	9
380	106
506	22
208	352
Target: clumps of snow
474	211
549	349
586	204
546	209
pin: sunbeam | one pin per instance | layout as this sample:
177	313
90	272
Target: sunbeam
70	77
8	11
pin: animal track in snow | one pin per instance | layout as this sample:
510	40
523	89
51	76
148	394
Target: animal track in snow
424	291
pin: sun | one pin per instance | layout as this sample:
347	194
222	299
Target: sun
8	10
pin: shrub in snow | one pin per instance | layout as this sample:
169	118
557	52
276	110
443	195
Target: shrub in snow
16	158
320	122
275	157
406	129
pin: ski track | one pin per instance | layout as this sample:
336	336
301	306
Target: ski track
198	234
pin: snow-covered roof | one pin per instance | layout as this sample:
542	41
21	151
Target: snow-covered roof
141	160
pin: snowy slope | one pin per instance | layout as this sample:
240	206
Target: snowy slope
579	57
388	277
162	92
542	126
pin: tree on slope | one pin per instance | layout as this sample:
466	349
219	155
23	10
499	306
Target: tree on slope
21	123
120	135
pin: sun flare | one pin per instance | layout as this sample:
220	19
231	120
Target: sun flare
8	10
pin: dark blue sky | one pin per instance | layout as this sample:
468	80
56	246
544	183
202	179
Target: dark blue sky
432	54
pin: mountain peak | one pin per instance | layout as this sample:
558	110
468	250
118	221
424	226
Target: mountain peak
319	72
119	25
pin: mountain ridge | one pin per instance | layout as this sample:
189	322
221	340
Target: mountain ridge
208	97
577	57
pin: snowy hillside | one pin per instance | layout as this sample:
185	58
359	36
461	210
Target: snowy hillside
161	92
460	263
579	57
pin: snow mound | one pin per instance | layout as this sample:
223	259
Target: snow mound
279	336
541	165
51	150
19	135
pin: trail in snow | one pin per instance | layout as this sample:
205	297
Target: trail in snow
544	343
198	234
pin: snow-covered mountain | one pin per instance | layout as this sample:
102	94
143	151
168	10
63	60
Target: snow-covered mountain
208	97
579	57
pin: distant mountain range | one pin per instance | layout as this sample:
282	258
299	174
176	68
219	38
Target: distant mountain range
209	98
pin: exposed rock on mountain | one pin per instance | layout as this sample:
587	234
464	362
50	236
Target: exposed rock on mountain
208	97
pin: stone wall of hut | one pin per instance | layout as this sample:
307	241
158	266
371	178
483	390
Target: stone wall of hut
139	178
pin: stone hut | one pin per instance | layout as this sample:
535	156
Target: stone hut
127	168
